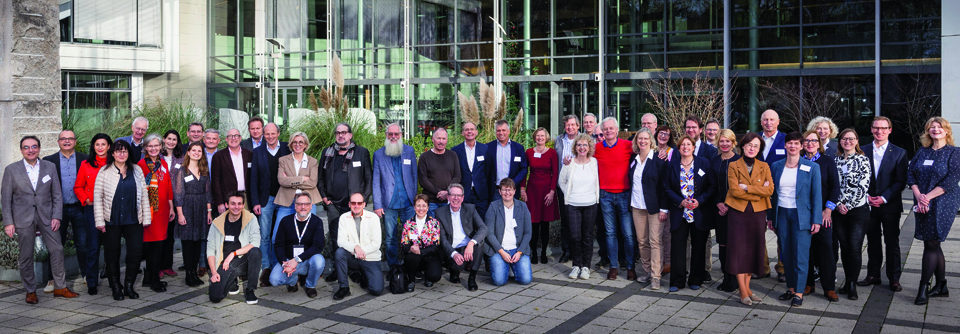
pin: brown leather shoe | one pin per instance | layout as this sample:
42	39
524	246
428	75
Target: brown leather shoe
65	293
869	281
201	272
665	270
265	278
32	298
895	286
612	275
809	289
831	296
631	275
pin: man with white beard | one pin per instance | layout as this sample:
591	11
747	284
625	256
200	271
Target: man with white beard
394	186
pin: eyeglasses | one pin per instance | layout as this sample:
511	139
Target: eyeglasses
811	141
304	204
233	136
751	146
881	127
455	195
357	203
298	143
848	139
34	147
341	132
68	138
393	134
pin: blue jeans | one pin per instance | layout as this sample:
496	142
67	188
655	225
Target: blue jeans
794	247
312	267
390	218
92	253
614	207
433	209
500	269
265	219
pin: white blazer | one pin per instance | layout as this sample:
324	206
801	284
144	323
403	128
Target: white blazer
370	236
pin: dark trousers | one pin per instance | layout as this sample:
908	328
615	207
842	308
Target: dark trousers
467	265
333	222
678	255
73	218
92	253
849	230
152	251
166	253
564	223
581	220
428	262
191	254
821	256
476	201
540	238
133	234
887	226
370	271
240	266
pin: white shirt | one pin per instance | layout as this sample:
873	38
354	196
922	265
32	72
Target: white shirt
636	200
696	148
567	148
33	172
300	164
878	152
273	151
509	234
768	142
237	160
471	155
787	190
420	223
459	237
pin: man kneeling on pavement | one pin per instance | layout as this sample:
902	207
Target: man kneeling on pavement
298	246
233	246
359	238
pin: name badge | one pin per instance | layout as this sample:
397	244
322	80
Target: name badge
516	159
228	238
780	151
700	172
188	178
249	164
163	169
356	164
537	155
46	178
406	161
805	168
480	158
928	162
633	163
846	169
304	166
298	191
177	166
297	250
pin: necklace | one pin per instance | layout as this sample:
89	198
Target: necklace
794	165
686	164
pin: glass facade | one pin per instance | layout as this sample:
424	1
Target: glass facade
563	56
89	98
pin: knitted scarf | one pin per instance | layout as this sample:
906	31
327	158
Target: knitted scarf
153	188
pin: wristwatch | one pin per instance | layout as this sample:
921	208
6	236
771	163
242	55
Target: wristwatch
298	259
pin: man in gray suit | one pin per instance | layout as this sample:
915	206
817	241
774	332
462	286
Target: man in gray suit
32	201
461	233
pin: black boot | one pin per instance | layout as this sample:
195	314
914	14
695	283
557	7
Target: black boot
128	288
411	282
191	279
543	257
472	281
533	258
940	289
922	294
844	288
564	257
115	287
852	290
729	283
154	282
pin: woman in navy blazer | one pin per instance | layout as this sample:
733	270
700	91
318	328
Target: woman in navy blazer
647	193
797	205
686	216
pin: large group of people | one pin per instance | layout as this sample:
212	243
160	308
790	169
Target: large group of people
655	199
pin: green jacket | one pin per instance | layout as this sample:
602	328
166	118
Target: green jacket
249	234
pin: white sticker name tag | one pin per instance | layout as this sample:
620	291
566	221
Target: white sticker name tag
188	178
177	166
46	178
516	159
846	169
356	164
633	163
163	169
928	162
805	168
297	250
480	158
780	151
228	238
700	172
406	161
249	165
537	155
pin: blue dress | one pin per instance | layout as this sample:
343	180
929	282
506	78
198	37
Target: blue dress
930	169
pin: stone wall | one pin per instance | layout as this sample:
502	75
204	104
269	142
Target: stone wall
29	76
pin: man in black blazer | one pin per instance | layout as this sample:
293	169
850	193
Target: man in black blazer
888	177
298	246
515	161
473	172
255	127
263	188
67	162
223	176
462	234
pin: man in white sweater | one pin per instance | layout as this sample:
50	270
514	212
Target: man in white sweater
359	238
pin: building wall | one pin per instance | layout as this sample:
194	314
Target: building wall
189	83
29	75
950	77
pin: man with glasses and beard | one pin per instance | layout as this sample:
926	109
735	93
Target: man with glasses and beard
395	185
345	169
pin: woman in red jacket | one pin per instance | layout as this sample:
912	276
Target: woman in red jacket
83	188
157	175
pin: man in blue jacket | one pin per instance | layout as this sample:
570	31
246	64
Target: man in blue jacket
263	189
394	186
506	159
473	169
773	150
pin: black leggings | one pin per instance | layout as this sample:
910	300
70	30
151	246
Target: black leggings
152	252
191	254
933	262
133	234
166	254
541	231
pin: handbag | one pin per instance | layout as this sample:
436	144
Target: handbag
397	280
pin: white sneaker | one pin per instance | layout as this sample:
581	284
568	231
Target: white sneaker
644	278
236	288
574	273
655	284
49	288
585	273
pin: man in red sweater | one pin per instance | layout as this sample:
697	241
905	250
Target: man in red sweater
613	162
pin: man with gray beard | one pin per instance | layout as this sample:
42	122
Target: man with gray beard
394	186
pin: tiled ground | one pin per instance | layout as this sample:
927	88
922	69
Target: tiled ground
551	304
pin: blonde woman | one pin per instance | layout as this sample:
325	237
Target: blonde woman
827	131
581	203
727	145
646	201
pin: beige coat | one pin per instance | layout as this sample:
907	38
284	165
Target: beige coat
290	183
369	238
106	186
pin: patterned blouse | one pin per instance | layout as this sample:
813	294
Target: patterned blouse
428	237
854	180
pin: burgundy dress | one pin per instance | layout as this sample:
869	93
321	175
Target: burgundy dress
542	178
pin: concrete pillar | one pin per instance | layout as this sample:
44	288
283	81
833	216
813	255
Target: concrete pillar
29	76
950	62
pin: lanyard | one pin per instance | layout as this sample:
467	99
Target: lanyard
300	234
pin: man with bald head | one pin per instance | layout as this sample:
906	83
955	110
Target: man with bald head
649	121
394	186
139	127
437	169
230	171
67	163
774	149
264	186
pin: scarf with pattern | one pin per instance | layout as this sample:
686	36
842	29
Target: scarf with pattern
153	189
